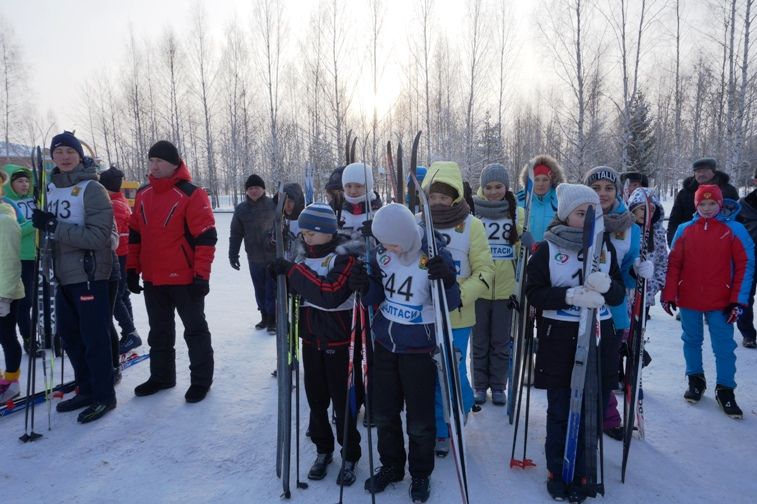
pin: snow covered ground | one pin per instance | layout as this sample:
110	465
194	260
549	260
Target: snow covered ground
161	449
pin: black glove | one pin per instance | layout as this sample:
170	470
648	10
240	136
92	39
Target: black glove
44	221
199	288
234	261
132	281
359	281
527	239
438	270
670	307
281	266
366	229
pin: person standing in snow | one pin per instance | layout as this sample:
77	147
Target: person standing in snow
79	220
547	175
252	223
172	238
710	272
552	286
11	292
404	369
320	277
748	217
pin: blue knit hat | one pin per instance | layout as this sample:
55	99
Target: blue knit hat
318	217
67	139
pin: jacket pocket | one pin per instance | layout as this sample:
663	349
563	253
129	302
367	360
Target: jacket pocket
186	256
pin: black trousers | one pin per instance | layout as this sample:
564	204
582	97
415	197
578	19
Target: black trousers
405	379
162	302
326	382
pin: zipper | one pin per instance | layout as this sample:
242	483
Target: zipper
170	214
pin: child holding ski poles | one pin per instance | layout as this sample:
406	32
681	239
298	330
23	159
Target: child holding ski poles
495	206
320	277
404	368
710	272
466	241
555	288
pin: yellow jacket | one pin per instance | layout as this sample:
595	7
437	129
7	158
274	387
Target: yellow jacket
479	282
11	286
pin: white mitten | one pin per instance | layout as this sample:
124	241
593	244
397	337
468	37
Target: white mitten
599	281
583	298
5	307
644	269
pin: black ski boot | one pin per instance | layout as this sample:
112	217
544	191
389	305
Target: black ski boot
150	387
383	476
556	488
420	489
697	386
320	466
263	323
749	343
95	411
346	474
727	400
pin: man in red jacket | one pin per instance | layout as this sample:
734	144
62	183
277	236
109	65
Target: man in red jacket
172	239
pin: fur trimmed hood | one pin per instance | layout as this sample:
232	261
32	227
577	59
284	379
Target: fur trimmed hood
558	176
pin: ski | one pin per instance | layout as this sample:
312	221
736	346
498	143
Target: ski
283	369
412	188
127	361
446	359
634	360
392	172
591	248
19	403
400	176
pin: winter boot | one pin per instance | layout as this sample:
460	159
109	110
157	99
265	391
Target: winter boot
442	447
196	393
9	389
556	488
383	476
697	386
499	398
116	375
320	466
129	342
95	411
263	322
346	474
78	401
271	326
420	489
615	432
727	401
749	343
479	396
150	387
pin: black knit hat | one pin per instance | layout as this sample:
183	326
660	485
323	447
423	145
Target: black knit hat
704	163
254	181
335	180
19	174
67	139
111	179
166	151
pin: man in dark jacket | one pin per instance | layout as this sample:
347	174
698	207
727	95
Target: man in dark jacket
172	238
705	172
748	217
252	222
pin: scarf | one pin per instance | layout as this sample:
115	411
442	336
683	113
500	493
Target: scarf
491	209
617	222
445	217
565	236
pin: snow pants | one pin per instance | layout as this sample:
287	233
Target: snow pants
460	337
721	337
404	379
9	340
122	307
264	285
162	302
490	345
83	323
326	382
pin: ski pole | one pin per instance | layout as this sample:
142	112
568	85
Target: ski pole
350	389
363	339
296	365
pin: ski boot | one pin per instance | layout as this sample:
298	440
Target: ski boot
499	398
383	476
749	343
697	386
320	466
420	489
479	396
129	342
346	474
727	401
556	488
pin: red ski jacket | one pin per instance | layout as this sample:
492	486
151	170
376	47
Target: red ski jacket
122	213
172	234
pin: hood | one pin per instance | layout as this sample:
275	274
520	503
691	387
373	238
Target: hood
164	184
639	196
86	170
446	172
11	169
558	176
294	192
720	179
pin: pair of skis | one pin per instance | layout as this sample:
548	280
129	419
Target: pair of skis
397	176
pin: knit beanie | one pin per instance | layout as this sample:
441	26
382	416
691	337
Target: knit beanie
166	151
603	173
357	173
704	163
111	179
634	176
708	192
66	139
420	174
495	172
318	217
570	196
394	224
442	188
19	174
335	180
254	181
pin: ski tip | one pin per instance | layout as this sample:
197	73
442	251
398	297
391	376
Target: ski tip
9	405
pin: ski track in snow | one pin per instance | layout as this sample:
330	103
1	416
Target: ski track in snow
161	449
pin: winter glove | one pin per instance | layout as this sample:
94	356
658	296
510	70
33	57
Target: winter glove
732	313
438	270
359	281
5	307
132	281
598	281
234	261
527	240
281	266
199	288
584	298
643	269
670	307
366	229
44	221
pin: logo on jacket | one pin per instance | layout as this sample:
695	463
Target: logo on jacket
460	227
385	259
423	262
75	191
561	258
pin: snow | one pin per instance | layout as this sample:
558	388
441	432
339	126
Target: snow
161	449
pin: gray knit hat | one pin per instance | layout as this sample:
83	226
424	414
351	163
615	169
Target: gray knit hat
495	172
603	173
394	224
570	196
